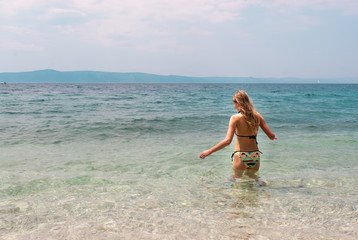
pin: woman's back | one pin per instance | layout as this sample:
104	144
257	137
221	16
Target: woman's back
245	134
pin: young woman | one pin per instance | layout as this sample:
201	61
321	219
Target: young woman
244	125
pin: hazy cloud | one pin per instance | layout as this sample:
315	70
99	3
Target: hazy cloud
208	27
111	22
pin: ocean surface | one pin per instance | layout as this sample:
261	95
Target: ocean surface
121	161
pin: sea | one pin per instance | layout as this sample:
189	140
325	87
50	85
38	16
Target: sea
121	161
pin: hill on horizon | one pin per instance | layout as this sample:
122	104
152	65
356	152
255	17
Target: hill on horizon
54	76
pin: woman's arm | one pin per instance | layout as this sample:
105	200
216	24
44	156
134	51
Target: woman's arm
223	143
266	128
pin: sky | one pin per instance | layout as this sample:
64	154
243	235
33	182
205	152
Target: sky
200	38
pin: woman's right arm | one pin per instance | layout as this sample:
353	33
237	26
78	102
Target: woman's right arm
266	128
223	143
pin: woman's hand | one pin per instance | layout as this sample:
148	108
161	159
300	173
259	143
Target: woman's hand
205	153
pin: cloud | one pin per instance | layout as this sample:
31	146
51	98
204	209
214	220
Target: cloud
17	38
163	10
112	22
347	6
11	9
16	30
213	11
127	22
10	44
60	16
55	12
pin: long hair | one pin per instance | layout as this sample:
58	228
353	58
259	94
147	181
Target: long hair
247	109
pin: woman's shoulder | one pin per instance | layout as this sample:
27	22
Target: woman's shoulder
237	116
260	116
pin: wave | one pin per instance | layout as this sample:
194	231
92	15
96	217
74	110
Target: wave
55	113
55	132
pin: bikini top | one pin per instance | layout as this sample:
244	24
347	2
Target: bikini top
250	137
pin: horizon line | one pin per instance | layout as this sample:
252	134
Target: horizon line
176	75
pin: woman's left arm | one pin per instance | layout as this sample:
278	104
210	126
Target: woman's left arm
223	143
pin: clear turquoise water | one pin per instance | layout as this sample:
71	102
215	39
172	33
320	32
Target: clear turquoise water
120	161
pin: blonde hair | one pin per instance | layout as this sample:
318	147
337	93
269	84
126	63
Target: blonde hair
246	108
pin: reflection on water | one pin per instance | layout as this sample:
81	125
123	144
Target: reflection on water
96	191
247	195
84	208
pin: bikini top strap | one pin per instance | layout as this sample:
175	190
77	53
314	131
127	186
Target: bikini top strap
250	137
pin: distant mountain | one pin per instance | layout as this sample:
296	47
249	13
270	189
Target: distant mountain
53	76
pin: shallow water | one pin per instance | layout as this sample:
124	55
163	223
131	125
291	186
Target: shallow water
120	161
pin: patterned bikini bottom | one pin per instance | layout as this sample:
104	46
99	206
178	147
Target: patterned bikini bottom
250	159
